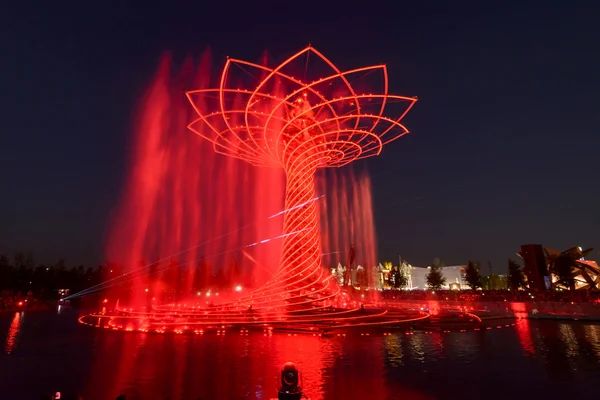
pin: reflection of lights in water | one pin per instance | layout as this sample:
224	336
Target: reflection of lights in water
524	334
312	357
568	337
519	310
13	332
392	345
592	334
417	347
438	344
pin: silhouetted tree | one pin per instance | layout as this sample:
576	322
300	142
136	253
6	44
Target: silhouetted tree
19	260
4	262
399	280
24	275
515	276
60	264
6	273
435	277
89	275
472	275
361	278
494	282
29	261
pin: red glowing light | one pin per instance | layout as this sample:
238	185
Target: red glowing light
300	126
13	333
281	121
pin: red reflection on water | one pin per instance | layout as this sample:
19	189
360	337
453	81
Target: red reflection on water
182	366
363	358
117	365
125	365
438	344
238	366
309	354
523	331
433	307
13	333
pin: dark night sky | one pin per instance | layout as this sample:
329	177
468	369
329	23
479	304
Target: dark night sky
504	143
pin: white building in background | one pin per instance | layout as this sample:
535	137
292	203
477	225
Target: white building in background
378	276
455	277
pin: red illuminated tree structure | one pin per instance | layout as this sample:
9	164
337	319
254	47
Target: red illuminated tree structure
271	117
285	118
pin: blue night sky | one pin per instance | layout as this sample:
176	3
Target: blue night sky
504	140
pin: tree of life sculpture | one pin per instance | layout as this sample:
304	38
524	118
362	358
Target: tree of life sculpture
280	120
270	117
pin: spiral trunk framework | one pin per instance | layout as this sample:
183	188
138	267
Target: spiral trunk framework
300	269
301	255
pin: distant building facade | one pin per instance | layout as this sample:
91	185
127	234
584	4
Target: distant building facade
455	277
585	273
539	262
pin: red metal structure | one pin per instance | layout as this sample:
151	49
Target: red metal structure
270	117
279	120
